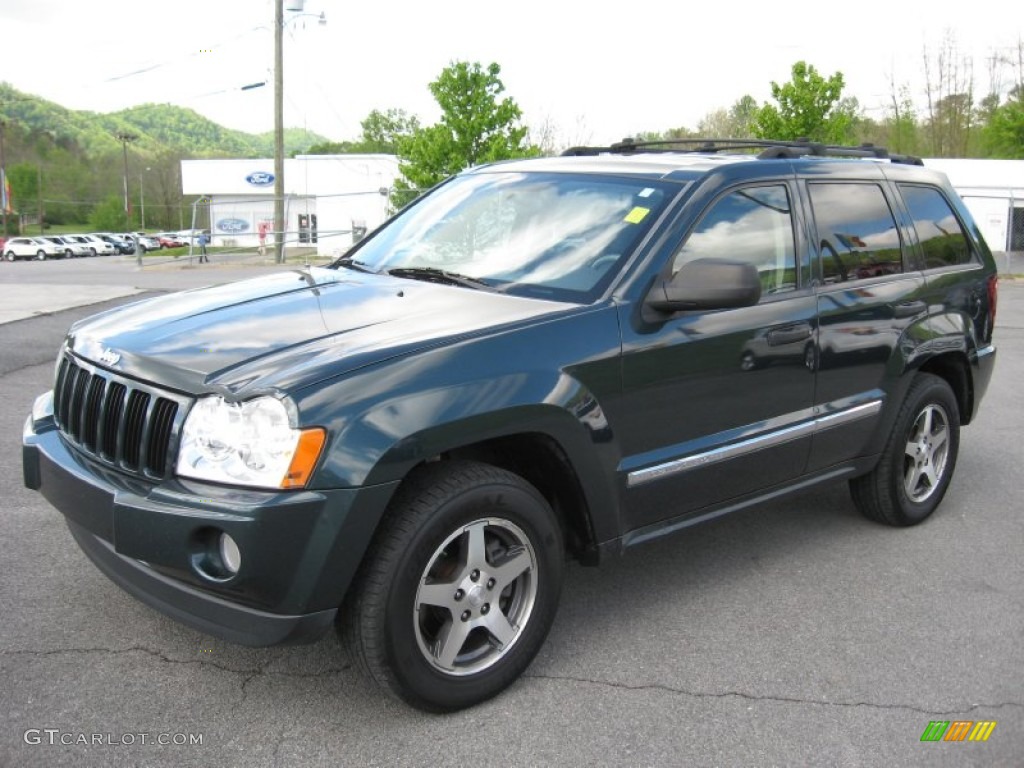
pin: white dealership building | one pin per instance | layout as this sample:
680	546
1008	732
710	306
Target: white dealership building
330	200
993	191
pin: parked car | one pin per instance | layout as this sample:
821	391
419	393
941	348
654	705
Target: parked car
70	247
145	242
31	248
170	240
121	245
95	245
189	235
538	359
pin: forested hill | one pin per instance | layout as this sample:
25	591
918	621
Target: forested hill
159	128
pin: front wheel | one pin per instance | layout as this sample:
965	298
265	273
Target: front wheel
460	588
41	255
918	461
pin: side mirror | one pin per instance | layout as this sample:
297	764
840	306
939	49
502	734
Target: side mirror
707	284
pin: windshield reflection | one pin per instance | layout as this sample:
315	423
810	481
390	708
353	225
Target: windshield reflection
549	235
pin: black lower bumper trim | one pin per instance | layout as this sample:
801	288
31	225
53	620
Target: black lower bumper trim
207	613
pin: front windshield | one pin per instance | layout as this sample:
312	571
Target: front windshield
549	235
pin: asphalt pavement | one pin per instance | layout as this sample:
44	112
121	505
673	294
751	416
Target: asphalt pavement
795	633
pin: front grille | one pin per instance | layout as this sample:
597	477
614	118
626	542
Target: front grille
116	420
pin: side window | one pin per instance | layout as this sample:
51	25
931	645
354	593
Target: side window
754	224
942	238
857	235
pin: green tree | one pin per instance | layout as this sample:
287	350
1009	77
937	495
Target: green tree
108	216
23	178
475	127
808	106
1003	136
382	132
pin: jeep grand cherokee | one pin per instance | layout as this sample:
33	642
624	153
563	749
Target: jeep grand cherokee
539	358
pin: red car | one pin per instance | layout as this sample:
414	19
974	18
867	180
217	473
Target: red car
170	240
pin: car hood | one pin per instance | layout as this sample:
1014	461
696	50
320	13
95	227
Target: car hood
288	330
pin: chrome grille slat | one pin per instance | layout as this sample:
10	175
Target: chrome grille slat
160	435
78	386
93	397
134	423
112	435
118	421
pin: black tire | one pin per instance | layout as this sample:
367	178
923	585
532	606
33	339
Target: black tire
393	622
68	254
41	255
919	458
92	251
9	255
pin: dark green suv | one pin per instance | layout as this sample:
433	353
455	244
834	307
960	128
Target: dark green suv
538	359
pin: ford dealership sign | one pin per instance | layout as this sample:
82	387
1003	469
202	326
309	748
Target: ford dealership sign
232	225
260	178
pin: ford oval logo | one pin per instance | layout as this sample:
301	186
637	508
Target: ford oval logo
232	225
260	178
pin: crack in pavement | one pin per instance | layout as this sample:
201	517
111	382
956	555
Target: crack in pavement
250	673
49	363
753	697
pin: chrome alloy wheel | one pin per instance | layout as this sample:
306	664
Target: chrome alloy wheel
926	453
475	597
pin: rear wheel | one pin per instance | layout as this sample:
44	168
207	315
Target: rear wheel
68	254
460	588
9	255
918	461
41	255
92	251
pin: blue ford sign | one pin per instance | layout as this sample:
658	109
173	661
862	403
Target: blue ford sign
260	178
232	225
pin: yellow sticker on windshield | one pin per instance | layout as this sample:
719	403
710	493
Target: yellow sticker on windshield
637	215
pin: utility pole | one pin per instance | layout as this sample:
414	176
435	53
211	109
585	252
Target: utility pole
124	138
39	196
279	222
3	179
142	200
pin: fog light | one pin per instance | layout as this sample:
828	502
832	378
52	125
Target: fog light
229	554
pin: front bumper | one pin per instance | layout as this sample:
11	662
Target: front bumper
299	549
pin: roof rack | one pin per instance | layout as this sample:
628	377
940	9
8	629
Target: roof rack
770	149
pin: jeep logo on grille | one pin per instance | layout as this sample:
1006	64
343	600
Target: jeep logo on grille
109	357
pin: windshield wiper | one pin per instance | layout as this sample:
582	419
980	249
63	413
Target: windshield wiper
351	263
435	275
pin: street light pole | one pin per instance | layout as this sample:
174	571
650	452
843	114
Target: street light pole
279	222
124	138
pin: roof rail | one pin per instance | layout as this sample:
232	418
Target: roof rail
771	149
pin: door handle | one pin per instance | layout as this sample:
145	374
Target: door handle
791	334
909	308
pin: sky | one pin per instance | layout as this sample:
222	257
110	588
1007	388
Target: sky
591	72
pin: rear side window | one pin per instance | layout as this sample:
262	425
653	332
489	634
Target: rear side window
754	224
943	241
857	234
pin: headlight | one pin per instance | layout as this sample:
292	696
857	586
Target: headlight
248	443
